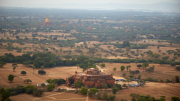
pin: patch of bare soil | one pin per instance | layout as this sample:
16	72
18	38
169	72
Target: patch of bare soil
51	73
161	72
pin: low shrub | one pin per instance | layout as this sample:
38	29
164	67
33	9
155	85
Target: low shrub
84	90
105	96
118	86
50	87
94	90
42	72
29	91
111	98
37	92
178	68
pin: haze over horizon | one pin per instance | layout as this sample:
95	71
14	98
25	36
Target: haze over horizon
163	5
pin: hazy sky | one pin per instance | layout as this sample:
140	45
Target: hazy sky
25	2
82	4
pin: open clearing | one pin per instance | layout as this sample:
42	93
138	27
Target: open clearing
163	72
51	73
51	96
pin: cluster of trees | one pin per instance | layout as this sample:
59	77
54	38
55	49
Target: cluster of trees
56	81
29	89
46	60
49	60
5	94
137	97
93	91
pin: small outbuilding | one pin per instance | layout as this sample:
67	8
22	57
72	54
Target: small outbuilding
46	83
38	85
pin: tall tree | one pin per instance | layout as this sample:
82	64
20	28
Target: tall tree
139	65
102	65
122	68
33	68
11	77
145	65
14	69
27	80
114	69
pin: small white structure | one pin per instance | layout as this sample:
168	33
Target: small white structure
38	85
46	83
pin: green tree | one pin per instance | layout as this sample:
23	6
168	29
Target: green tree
102	65
94	90
23	72
42	72
127	67
115	89
122	68
177	78
84	90
78	84
11	77
2	63
134	96
42	67
162	98
43	85
49	80
111	98
161	62
33	67
14	69
174	98
114	69
178	68
139	76
104	86
5	95
126	44
128	80
50	87
119	86
27	80
17	37
149	70
173	64
139	65
144	65
131	76
124	74
105	96
37	92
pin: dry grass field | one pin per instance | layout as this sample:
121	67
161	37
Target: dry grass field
37	47
52	73
51	96
154	89
163	72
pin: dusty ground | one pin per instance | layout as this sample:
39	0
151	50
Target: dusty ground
52	73
90	45
154	89
163	72
51	96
